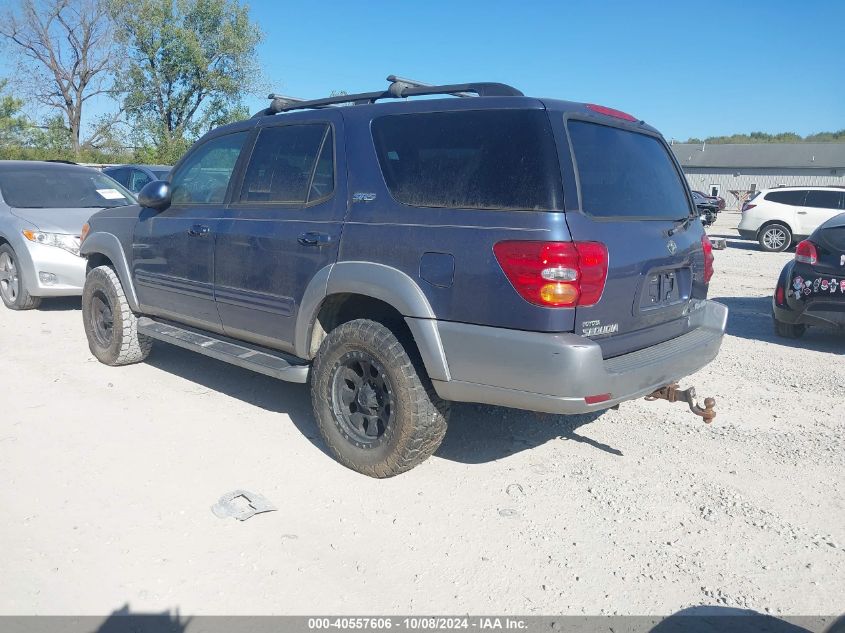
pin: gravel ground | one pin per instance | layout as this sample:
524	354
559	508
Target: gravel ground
107	476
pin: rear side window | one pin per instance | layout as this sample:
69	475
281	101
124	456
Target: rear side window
283	165
204	176
824	199
479	159
793	197
626	174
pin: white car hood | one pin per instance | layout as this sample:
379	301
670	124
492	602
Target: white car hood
67	221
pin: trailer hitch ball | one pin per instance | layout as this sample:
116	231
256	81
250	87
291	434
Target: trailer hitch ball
673	393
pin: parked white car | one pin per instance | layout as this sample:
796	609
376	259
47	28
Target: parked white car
783	216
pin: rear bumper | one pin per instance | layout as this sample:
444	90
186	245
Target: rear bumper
820	312
554	373
747	234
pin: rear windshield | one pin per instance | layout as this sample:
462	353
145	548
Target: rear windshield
479	159
56	188
626	174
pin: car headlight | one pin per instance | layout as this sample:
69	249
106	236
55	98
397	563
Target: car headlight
70	243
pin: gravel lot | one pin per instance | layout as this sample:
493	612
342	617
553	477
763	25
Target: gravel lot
107	476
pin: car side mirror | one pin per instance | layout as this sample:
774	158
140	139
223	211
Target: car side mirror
155	195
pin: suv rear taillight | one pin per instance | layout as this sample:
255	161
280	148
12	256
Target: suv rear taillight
555	274
707	247
747	207
806	252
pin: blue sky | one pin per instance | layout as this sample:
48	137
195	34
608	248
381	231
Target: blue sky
689	68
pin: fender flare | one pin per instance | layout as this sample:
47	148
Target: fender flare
107	244
385	284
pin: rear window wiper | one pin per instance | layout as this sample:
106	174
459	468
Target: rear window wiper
682	226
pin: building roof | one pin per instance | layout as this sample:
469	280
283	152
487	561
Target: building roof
766	155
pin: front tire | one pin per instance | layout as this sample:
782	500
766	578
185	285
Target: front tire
775	238
12	290
110	324
374	405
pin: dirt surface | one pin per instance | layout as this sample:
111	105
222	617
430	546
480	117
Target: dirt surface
107	477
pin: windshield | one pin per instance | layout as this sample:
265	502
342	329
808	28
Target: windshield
160	175
51	187
626	174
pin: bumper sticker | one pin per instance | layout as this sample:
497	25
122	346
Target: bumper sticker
802	287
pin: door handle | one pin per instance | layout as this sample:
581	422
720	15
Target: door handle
802	213
198	230
312	238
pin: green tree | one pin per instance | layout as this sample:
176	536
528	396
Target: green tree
65	57
188	62
13	125
781	137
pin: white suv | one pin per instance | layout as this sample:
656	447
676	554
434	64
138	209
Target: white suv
779	217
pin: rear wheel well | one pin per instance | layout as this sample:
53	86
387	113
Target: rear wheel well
341	308
770	222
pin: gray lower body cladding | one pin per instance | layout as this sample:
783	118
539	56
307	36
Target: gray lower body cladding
554	373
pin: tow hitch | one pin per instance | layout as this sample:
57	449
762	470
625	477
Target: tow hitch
673	393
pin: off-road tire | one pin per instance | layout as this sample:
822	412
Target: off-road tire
767	240
125	345
789	330
419	415
21	299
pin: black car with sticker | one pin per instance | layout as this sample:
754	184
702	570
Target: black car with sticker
811	288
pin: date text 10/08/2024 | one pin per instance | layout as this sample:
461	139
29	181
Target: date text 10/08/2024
418	623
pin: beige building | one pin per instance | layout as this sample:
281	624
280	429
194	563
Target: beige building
735	171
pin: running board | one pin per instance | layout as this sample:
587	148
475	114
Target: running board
274	364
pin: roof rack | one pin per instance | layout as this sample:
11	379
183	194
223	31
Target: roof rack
399	88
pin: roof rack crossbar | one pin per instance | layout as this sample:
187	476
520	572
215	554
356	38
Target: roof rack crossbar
399	89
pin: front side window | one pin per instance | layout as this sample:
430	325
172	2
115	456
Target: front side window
204	176
139	179
626	174
55	187
121	175
823	199
478	159
794	197
284	166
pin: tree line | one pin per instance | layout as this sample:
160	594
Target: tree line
783	137
167	70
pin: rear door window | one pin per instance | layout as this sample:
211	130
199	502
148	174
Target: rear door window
479	159
284	166
626	174
794	197
823	199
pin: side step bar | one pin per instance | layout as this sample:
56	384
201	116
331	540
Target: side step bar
274	364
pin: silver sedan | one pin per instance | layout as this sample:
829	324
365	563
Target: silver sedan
43	206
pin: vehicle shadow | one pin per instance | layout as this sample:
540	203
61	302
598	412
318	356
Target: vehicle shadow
751	318
482	433
477	433
58	304
270	394
719	619
123	619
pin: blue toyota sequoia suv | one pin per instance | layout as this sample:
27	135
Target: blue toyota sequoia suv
399	254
